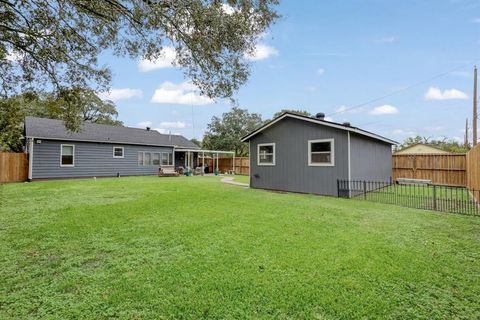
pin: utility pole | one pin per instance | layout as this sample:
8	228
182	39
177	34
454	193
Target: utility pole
475	111
466	133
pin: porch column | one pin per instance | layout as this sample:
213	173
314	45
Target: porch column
203	163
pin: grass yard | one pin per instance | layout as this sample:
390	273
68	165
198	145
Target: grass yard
193	247
242	179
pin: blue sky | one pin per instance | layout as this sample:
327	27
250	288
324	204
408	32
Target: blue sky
329	56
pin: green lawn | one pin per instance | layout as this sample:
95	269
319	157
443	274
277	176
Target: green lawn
242	179
193	247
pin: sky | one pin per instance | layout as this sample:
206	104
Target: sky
398	68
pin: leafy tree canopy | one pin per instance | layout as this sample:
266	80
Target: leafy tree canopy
85	103
225	133
299	112
55	44
196	141
445	144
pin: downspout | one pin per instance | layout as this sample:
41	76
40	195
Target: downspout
30	159
349	165
249	165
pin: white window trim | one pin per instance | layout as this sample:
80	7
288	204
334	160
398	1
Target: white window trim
273	153
123	152
61	155
332	152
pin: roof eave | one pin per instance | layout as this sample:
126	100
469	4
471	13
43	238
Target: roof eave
317	121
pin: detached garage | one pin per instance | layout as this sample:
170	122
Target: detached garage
309	155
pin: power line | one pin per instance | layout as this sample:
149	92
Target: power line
404	89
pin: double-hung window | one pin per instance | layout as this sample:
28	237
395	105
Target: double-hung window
154	158
67	155
321	152
266	154
118	152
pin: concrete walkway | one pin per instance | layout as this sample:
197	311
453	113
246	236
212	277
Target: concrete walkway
230	180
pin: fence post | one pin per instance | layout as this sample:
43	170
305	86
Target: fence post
338	188
364	189
434	197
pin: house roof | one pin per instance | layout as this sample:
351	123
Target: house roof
422	148
319	122
92	132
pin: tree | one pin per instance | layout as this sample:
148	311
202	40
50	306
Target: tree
56	43
85	102
225	133
197	142
445	144
299	112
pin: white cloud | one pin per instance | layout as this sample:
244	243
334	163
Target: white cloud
173	125
166	60
320	71
121	94
327	118
435	93
345	109
388	39
385	109
144	124
228	9
404	132
183	93
261	52
13	56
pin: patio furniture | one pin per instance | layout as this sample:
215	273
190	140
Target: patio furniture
167	171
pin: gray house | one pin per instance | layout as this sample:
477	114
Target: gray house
99	150
303	154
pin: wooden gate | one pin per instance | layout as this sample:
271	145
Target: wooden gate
444	169
13	167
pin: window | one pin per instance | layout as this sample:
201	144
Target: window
266	154
67	155
156	159
118	152
147	159
321	152
166	159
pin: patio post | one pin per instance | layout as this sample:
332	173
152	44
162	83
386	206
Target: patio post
234	163
203	162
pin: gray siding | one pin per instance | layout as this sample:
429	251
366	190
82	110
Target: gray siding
91	159
291	172
370	159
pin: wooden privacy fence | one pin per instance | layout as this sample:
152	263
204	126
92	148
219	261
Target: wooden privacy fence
442	169
473	169
13	167
242	164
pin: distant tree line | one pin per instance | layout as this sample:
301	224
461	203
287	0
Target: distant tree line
445	144
85	104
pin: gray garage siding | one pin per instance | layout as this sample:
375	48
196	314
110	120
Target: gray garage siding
291	172
371	159
91	159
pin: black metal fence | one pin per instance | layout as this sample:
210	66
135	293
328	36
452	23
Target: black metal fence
425	196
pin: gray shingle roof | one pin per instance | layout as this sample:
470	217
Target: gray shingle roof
55	129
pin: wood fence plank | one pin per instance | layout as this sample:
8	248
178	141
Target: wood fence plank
446	169
13	167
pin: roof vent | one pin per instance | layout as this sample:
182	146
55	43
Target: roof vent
148	128
346	124
320	116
